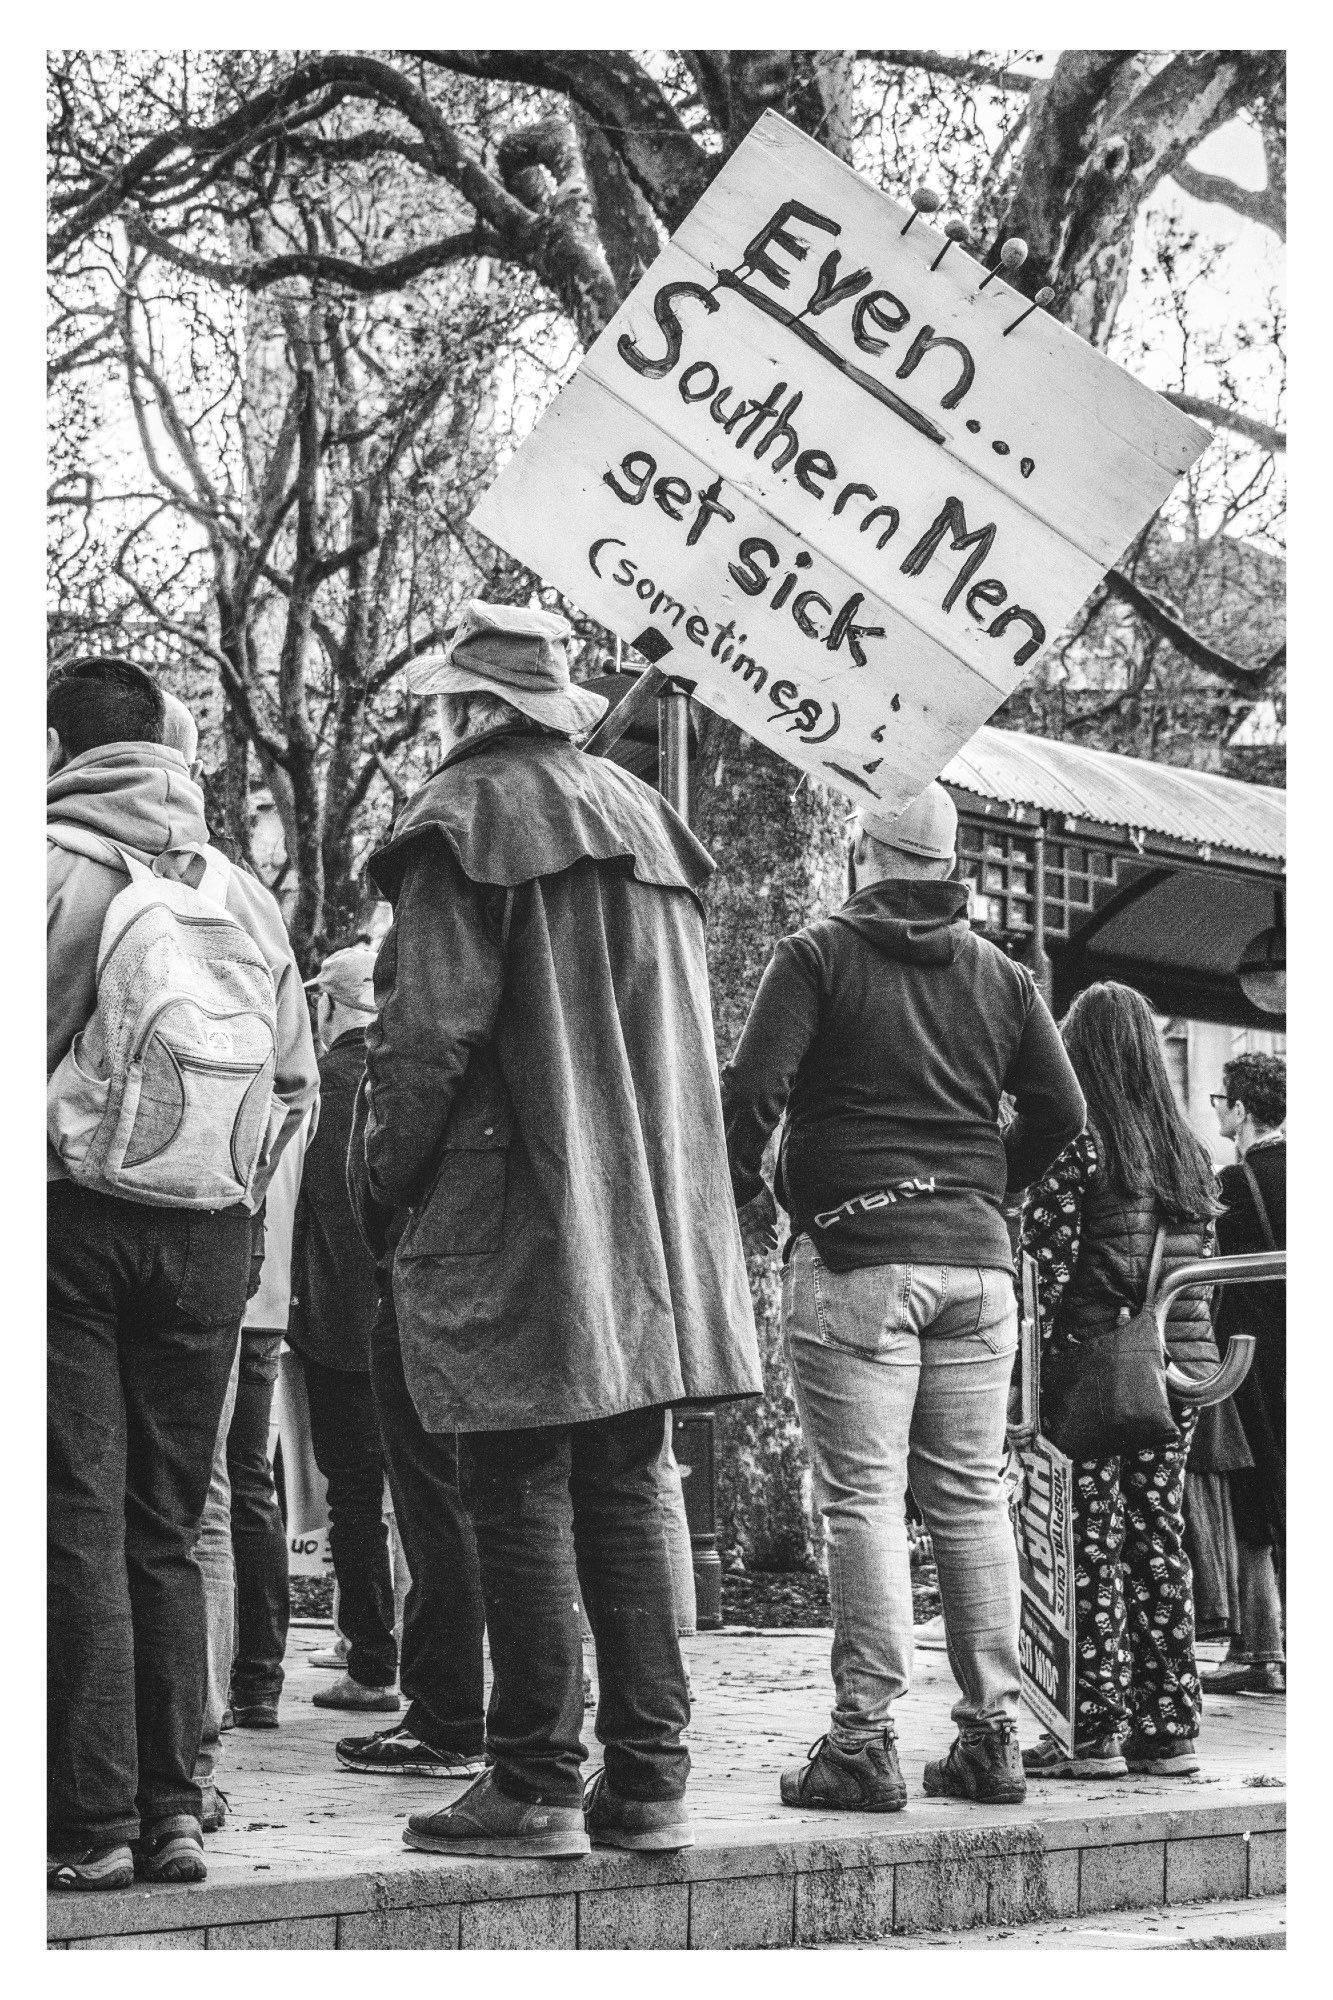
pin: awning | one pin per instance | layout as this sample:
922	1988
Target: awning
1192	866
1096	787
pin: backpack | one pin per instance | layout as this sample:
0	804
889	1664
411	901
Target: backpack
166	1095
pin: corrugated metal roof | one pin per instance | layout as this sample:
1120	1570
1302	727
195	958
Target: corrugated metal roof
1195	806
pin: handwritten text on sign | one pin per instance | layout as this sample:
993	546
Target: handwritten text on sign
1044	1525
807	462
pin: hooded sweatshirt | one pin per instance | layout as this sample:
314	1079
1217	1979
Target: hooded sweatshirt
888	1033
141	796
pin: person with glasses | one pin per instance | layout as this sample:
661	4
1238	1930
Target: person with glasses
1252	1111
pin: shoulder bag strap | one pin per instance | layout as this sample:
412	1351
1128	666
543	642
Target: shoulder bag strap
1155	1265
1261	1211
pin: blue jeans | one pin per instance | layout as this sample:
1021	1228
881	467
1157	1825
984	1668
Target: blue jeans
258	1536
143	1308
574	1510
217	1567
902	1372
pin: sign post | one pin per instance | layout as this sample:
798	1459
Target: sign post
833	477
1044	1527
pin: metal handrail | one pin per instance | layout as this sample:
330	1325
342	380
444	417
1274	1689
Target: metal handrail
1259	1267
1256	1268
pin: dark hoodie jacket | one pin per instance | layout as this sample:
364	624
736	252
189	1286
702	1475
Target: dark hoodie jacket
888	1033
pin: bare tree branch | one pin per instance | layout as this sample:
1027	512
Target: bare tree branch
390	276
1155	614
962	69
1226	417
665	161
1262	205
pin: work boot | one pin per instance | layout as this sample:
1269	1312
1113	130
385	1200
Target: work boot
1163	1756
348	1693
254	1715
397	1753
171	1850
984	1765
864	1780
1097	1757
486	1821
1245	1677
647	1826
110	1866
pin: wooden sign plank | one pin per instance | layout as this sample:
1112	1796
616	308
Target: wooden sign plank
806	468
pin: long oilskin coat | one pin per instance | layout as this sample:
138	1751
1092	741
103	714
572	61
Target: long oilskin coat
543	1141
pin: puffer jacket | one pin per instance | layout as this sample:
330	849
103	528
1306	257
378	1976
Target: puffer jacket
142	797
1111	1272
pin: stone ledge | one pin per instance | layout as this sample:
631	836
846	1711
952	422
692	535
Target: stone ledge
813	1889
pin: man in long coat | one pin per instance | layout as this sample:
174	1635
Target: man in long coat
544	1159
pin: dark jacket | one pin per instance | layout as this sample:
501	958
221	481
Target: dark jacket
1261	1400
543	1136
334	1294
888	1033
1116	1237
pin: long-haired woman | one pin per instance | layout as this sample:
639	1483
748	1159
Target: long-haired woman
1091	1225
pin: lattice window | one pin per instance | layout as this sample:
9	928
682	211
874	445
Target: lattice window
998	864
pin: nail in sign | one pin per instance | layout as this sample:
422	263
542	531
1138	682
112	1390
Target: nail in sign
805	457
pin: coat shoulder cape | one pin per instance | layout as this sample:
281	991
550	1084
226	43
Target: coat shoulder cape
512	808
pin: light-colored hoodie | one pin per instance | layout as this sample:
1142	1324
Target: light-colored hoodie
141	795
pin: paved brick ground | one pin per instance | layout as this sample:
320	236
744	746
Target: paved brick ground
759	1704
300	1825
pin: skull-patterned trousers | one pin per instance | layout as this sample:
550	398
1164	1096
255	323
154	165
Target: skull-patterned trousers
1134	1595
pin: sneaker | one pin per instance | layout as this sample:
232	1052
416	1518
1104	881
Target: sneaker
172	1850
1245	1677
1164	1756
864	1780
228	1721
646	1826
254	1715
109	1867
216	1806
485	1821
396	1753
1098	1758
333	1659
347	1693
983	1765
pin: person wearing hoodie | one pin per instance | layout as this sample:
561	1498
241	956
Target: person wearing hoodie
143	1314
888	1033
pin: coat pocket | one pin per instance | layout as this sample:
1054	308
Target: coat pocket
463	1213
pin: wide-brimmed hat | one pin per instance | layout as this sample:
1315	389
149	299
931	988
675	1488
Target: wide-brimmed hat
928	828
348	977
508	650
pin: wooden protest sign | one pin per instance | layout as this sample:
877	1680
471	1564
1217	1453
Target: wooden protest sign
806	468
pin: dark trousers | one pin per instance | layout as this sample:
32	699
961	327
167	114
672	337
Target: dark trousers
258	1537
557	1511
443	1623
345	1433
1133	1594
143	1308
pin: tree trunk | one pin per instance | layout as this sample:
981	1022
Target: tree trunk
778	844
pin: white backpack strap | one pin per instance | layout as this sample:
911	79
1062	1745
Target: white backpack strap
95	847
216	878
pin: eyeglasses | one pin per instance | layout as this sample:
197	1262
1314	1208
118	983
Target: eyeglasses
1218	1099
